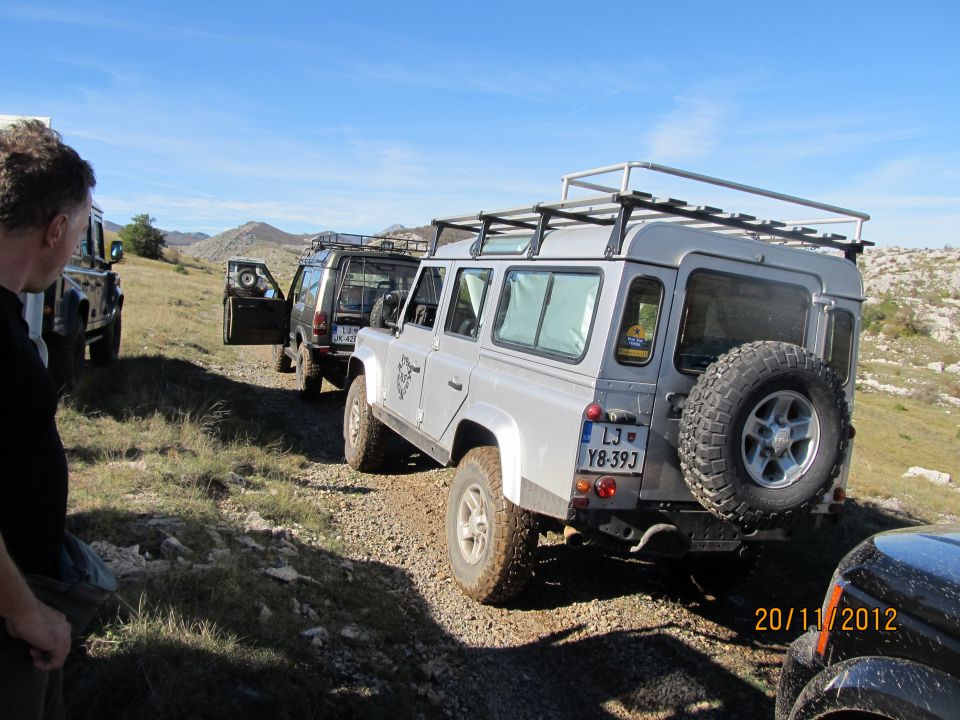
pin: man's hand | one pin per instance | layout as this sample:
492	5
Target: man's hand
46	631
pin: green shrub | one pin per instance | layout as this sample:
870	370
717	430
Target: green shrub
179	268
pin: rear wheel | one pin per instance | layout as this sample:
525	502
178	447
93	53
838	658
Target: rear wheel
309	378
107	349
490	541
364	437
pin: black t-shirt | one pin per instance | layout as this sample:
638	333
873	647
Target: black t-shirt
33	468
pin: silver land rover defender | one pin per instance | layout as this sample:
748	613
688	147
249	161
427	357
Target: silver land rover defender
668	375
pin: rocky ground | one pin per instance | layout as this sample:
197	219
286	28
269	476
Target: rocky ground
594	635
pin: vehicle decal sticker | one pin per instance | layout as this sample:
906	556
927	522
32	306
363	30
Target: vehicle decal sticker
634	344
404	375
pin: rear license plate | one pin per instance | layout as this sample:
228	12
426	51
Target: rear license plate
605	447
345	334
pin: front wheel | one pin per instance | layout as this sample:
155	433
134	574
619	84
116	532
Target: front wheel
66	356
490	541
281	361
309	378
364	437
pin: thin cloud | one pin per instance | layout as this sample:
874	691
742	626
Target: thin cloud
691	130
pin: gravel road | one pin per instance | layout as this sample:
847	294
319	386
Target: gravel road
593	635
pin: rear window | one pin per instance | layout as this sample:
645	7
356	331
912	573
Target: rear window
839	348
366	279
723	311
638	327
547	312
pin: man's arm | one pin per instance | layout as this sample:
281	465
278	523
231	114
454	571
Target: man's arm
43	628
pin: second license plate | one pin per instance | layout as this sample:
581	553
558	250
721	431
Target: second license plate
345	334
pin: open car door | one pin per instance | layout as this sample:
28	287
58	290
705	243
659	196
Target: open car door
254	309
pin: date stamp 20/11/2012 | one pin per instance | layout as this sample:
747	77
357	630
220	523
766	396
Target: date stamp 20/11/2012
846	619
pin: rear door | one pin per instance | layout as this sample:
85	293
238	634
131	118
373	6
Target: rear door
254	309
717	305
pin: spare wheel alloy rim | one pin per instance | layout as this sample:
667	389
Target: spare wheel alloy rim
473	529
780	439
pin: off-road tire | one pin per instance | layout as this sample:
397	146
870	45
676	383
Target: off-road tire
281	361
713	423
503	568
364	437
309	377
65	357
106	350
247	278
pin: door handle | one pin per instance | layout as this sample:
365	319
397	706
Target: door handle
455	385
415	368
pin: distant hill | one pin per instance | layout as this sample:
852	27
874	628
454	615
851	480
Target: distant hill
425	232
238	241
174	238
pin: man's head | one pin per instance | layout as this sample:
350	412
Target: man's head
44	202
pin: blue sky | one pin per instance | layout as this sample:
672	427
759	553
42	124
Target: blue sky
355	116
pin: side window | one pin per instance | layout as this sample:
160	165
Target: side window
86	243
311	281
422	308
839	348
638	327
98	239
723	311
546	311
466	306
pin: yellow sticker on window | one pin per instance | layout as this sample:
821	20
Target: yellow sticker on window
634	344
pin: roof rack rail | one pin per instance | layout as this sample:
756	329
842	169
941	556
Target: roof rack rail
618	205
373	243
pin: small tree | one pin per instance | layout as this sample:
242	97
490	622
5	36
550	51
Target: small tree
142	238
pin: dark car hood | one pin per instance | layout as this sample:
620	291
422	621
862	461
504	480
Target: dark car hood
915	571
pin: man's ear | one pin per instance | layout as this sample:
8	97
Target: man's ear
56	230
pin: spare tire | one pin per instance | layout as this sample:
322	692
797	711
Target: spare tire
377	317
764	434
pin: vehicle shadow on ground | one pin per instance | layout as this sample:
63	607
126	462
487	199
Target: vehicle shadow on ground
191	640
147	385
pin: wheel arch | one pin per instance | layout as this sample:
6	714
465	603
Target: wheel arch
878	687
484	424
363	361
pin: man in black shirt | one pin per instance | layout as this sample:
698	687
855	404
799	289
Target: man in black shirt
45	198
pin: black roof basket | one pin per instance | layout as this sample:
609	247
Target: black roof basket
372	243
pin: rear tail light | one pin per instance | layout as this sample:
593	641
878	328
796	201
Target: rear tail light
319	323
583	486
593	411
851	432
829	617
605	487
839	494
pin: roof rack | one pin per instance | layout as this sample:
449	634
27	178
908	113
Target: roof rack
616	206
373	243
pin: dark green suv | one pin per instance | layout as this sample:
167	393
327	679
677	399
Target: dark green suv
338	285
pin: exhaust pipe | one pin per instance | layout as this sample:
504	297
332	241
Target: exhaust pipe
572	536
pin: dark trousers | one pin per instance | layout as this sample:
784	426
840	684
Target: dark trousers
25	692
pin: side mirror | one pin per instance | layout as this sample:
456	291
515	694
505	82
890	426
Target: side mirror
116	251
391	300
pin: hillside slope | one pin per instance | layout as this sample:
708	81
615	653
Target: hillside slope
238	241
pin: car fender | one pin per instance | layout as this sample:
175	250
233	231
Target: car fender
893	687
364	360
504	428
